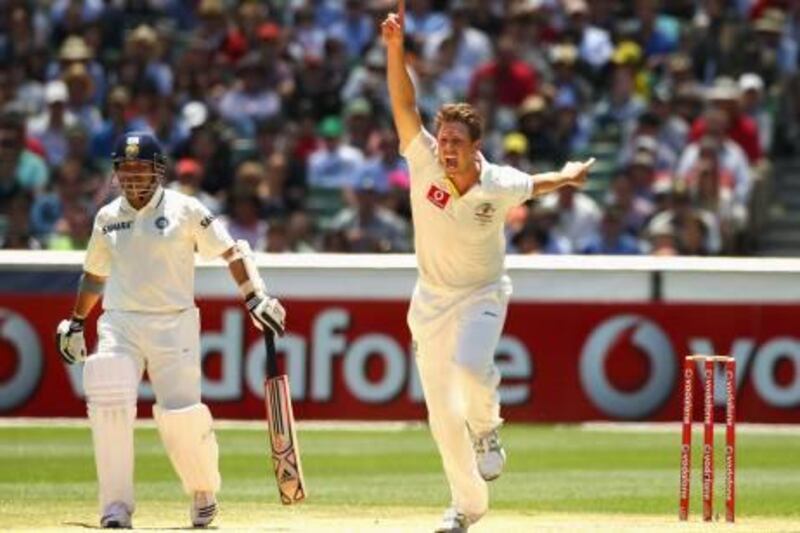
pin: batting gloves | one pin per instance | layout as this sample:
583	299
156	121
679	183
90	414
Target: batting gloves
70	342
267	312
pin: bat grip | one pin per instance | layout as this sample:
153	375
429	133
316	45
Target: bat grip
272	356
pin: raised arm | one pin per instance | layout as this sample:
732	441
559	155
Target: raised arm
90	291
401	90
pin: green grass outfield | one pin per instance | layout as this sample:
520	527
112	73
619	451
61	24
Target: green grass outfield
390	479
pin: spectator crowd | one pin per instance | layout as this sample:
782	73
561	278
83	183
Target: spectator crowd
275	114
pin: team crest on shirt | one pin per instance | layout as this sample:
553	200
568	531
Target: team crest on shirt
162	222
484	213
438	196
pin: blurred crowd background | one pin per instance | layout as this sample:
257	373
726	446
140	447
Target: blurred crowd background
275	115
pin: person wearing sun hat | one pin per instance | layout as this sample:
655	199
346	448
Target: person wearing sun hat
188	180
594	44
360	122
50	126
622	105
515	151
81	91
564	61
725	96
752	104
74	50
144	48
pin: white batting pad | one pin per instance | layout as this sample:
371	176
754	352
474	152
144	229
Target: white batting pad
110	383
189	438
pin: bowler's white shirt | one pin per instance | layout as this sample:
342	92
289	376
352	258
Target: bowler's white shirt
148	255
459	241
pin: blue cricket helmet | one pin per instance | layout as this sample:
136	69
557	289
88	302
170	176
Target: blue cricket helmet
138	146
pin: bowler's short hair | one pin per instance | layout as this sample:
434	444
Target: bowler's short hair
463	113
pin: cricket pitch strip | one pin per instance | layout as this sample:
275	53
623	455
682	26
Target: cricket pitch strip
324	519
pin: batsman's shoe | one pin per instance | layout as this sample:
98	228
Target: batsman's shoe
490	455
453	521
116	515
204	508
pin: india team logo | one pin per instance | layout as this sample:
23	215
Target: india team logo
132	148
162	222
438	197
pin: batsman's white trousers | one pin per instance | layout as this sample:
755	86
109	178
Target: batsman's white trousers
168	346
455	337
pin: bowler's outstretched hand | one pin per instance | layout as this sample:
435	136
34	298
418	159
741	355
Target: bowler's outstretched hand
577	171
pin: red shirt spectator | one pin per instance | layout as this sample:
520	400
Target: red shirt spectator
509	79
743	130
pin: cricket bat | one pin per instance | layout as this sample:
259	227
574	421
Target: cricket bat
282	434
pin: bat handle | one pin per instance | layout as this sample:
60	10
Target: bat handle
272	357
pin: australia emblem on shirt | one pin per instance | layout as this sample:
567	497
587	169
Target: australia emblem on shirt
484	213
438	196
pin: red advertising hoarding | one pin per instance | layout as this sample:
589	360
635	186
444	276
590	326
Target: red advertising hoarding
347	360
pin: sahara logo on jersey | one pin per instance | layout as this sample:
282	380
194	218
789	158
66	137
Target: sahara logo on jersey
207	220
162	222
438	197
117	226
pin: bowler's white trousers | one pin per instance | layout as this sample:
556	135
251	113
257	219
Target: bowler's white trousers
168	346
455	335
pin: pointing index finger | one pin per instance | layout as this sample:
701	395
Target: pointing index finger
401	12
589	162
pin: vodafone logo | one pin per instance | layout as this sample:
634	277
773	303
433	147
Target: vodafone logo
314	363
651	341
438	197
22	351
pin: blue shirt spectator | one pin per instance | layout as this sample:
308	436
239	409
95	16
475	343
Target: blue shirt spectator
333	164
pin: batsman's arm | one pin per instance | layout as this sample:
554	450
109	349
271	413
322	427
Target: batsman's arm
573	173
70	342
265	312
239	272
401	89
90	289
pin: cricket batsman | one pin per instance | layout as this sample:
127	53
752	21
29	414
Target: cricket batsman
140	259
459	202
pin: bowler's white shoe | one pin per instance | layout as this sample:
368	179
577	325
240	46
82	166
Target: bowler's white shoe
490	455
204	508
116	515
453	521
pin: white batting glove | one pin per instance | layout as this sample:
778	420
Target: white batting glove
267	312
70	342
